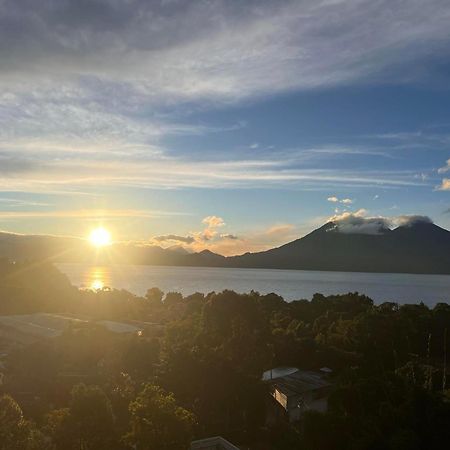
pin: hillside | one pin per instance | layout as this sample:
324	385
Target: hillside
415	248
420	247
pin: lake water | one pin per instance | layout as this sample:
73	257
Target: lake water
290	284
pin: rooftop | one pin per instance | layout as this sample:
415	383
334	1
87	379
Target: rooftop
299	381
213	443
45	325
278	372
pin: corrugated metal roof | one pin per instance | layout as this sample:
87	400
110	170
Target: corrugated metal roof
300	382
278	372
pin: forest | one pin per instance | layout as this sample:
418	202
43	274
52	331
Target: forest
196	370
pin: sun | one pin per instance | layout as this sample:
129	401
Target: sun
100	237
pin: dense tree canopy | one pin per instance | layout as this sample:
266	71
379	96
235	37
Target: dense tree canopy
157	422
195	371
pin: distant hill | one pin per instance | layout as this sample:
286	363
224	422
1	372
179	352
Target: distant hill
419	247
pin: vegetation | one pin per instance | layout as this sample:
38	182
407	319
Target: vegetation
198	373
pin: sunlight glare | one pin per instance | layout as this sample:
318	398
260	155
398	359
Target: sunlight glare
100	237
97	285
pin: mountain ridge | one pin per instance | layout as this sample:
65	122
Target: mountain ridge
419	247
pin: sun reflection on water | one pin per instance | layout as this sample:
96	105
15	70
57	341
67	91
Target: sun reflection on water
97	285
97	278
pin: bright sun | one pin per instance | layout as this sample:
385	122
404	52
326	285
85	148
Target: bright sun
100	237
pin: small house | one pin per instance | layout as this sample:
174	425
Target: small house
294	391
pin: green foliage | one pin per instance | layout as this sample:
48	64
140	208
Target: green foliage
157	422
16	433
87	424
390	389
154	296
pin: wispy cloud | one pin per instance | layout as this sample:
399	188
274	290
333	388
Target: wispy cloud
113	62
233	237
87	214
79	173
446	168
216	49
15	202
173	238
96	95
426	139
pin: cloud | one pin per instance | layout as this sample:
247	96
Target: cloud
174	238
229	236
345	201
15	202
197	240
446	168
411	220
228	243
76	172
213	221
207	234
11	164
445	185
87	214
254	241
149	47
78	79
210	232
359	223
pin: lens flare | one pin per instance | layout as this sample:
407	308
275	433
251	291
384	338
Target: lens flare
100	237
97	285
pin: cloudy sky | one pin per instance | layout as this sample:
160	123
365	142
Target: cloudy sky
226	125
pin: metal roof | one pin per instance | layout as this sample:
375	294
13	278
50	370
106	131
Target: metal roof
300	382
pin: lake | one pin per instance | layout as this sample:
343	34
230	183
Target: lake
290	284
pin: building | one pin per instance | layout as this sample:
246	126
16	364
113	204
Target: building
213	443
294	391
24	329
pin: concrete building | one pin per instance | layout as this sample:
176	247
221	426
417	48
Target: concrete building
294	391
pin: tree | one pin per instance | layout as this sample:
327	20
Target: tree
16	433
154	296
87	424
157	422
173	298
58	427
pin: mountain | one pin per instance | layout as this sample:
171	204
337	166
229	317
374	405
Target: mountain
419	247
75	250
416	247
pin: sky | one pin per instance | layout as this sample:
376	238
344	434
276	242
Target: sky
221	125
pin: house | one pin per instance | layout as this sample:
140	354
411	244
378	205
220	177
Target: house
294	391
213	443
